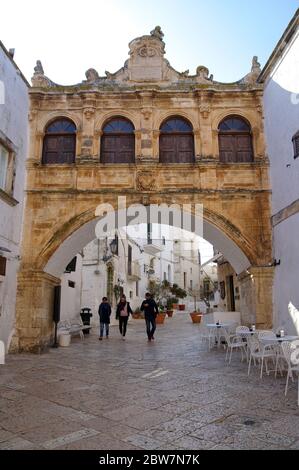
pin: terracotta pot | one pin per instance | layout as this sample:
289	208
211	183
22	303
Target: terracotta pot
136	316
182	306
160	318
196	317
169	313
175	306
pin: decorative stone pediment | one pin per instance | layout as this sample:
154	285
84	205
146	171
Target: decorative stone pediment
146	67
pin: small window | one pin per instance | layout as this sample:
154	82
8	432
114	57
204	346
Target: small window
71	267
163	241
71	284
129	260
6	169
137	288
149	234
296	144
2	266
131	294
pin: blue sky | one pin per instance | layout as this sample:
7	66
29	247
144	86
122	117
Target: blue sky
70	36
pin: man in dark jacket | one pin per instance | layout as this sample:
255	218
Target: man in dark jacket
104	313
150	309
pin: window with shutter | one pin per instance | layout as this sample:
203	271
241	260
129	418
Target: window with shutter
118	142
235	140
59	142
176	143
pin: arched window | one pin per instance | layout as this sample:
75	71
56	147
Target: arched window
176	141
118	141
296	144
235	140
60	142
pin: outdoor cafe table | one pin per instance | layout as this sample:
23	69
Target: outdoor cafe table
279	339
218	329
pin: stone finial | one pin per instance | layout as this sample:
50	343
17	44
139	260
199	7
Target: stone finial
91	75
256	66
39	79
157	33
38	69
252	76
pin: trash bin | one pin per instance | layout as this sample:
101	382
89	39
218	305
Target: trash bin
64	339
85	315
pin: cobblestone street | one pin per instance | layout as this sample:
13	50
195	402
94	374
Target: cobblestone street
167	394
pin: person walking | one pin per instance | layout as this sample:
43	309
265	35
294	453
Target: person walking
104	314
123	311
150	309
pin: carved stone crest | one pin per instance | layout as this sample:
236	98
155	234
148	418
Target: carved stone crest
205	110
146	181
146	51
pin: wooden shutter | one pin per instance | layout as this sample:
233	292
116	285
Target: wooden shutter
59	149
243	148
235	148
118	148
226	148
176	148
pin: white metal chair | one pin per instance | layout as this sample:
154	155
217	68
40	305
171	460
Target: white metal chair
260	352
288	348
207	335
234	342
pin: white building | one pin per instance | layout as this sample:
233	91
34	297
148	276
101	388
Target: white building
281	109
14	105
126	262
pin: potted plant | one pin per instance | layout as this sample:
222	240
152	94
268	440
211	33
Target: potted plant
137	314
196	316
179	293
171	301
161	315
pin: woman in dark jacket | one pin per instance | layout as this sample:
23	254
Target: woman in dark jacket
104	313
123	311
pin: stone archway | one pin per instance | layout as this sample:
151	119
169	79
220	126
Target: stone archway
58	241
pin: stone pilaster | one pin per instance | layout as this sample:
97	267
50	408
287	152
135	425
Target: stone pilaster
34	310
256	296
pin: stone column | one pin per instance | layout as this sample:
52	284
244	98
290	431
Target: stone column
256	296
34	311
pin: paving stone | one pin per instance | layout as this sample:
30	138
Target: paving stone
17	443
164	395
69	438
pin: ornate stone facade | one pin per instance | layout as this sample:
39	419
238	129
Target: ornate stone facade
147	90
